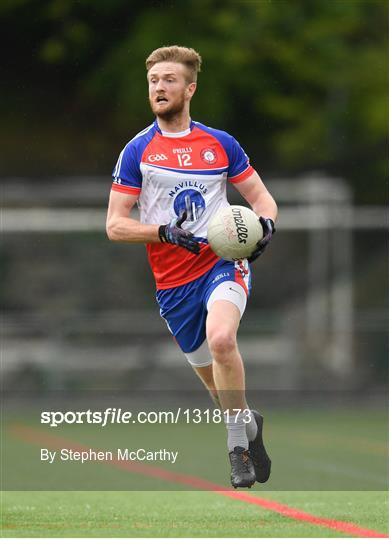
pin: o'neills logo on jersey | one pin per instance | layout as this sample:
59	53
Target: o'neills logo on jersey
208	155
156	157
186	150
241	228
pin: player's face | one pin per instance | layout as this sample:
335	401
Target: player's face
169	91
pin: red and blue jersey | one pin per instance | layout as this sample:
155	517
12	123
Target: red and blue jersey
170	172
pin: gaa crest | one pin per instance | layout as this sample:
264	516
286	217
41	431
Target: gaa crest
208	155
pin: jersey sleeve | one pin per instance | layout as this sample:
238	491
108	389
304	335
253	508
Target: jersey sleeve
239	164
127	176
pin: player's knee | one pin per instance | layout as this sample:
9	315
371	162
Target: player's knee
221	343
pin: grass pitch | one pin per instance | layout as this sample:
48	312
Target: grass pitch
182	514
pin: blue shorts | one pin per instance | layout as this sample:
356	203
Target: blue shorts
185	308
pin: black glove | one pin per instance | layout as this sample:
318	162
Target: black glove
268	231
172	233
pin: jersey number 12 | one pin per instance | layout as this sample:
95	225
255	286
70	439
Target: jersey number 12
184	160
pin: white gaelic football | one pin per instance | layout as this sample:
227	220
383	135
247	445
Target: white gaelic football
233	232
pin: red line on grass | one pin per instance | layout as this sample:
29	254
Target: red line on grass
35	436
294	513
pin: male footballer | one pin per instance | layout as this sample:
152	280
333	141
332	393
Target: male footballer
176	171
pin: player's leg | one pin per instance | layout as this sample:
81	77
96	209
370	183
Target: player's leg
257	450
222	325
228	373
205	373
226	304
186	319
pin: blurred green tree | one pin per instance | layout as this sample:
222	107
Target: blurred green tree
302	84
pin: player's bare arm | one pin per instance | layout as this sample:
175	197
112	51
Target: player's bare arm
121	227
263	204
254	191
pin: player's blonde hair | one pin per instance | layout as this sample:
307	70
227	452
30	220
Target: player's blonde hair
182	55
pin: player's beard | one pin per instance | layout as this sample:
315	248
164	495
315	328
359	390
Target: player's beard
171	111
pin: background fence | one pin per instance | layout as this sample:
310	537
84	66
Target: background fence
79	311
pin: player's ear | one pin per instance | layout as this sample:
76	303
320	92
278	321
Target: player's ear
190	89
